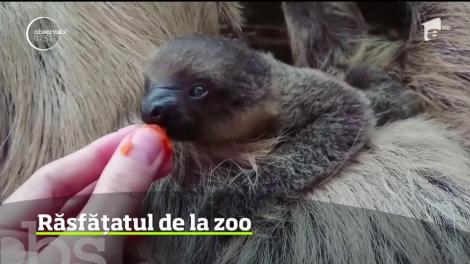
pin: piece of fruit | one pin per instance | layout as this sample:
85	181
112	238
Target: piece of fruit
166	140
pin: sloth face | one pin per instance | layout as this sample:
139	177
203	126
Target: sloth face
204	88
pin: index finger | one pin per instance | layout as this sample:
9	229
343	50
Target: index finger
48	189
70	174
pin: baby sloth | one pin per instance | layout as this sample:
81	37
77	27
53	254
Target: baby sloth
216	94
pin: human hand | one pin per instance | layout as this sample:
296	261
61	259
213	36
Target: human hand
124	162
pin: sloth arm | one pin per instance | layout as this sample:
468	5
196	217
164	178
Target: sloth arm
332	124
327	122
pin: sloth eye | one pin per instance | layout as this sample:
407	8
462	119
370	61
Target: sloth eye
198	91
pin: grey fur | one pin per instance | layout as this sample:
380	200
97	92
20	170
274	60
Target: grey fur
302	231
323	121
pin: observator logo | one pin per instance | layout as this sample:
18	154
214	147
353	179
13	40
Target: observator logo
43	33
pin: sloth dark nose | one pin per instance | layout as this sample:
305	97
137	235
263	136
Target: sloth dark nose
152	113
157	103
155	112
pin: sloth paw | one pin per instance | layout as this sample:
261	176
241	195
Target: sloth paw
389	99
365	77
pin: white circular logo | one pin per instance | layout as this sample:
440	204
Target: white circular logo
43	33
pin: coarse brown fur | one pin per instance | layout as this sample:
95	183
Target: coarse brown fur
54	101
439	69
314	42
58	101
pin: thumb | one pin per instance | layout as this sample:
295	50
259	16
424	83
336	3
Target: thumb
135	163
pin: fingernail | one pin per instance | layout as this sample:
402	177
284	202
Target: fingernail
144	146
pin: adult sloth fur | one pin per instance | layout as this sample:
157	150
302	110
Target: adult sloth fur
54	102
